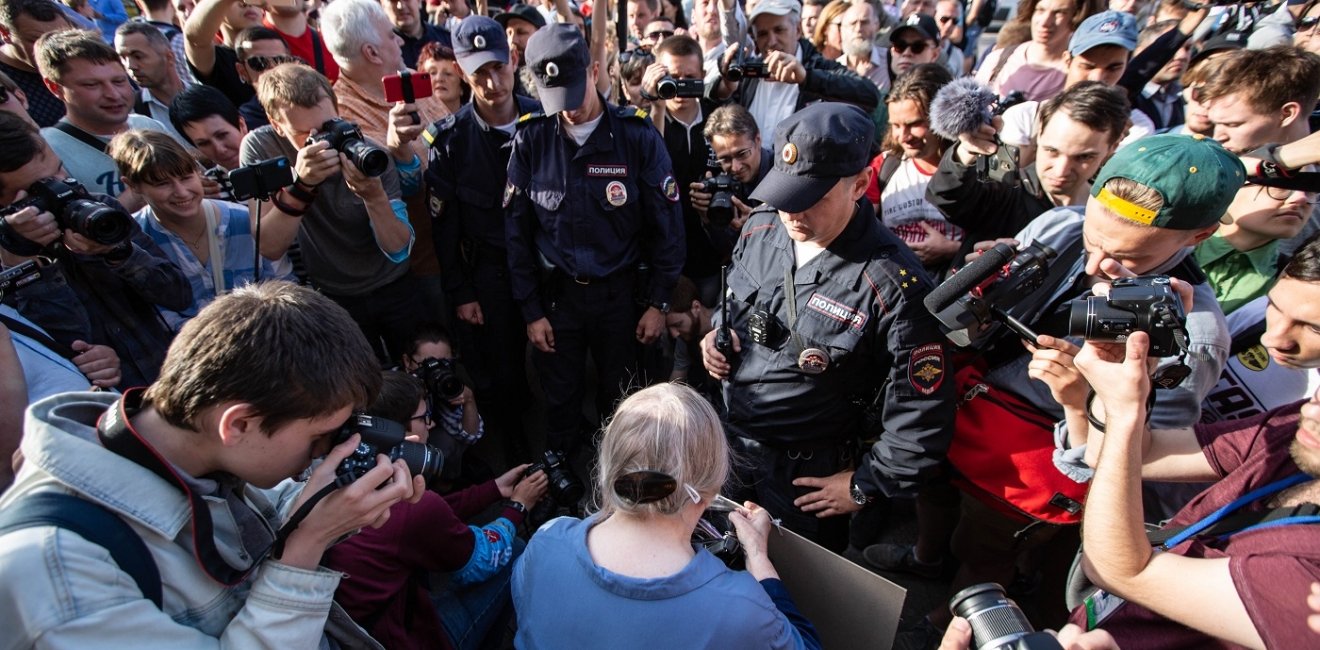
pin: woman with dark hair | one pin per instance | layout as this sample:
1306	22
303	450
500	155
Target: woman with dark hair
447	82
1032	50
673	10
628	576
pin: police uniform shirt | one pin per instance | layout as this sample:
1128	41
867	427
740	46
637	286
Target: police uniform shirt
1253	383
464	179
591	211
859	302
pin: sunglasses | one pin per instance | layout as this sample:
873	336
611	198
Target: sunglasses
660	35
1307	24
945	20
915	47
264	63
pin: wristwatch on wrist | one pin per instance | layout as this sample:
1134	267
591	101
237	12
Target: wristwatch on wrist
516	505
661	305
858	496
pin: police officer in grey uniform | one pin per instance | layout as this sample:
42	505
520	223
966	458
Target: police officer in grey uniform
827	322
594	232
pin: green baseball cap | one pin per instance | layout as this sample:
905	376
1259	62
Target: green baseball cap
1196	177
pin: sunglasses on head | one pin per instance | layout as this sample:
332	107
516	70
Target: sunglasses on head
264	63
916	47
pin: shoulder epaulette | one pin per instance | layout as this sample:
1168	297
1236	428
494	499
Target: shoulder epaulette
631	112
527	117
432	132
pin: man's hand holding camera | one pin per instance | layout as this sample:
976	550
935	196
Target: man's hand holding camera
365	502
33	225
317	162
784	68
368	188
980	142
527	489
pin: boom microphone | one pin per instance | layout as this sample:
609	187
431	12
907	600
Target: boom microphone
962	106
969	277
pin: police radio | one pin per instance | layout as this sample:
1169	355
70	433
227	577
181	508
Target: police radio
724	335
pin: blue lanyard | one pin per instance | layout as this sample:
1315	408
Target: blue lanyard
1214	517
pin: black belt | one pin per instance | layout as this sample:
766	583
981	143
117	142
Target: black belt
798	446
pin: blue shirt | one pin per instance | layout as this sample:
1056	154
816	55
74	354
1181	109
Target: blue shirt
565	600
233	233
45	372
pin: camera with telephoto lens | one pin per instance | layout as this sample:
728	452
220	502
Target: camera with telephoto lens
381	436
346	138
746	68
980	294
76	210
997	622
669	87
1144	304
440	378
721	187
565	487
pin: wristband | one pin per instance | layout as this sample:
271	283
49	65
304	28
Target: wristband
296	191
297	180
286	208
516	505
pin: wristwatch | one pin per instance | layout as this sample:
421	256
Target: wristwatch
858	496
516	505
662	306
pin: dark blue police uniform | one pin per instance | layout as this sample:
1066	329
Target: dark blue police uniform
465	178
581	221
825	341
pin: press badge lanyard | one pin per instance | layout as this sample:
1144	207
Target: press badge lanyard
1262	522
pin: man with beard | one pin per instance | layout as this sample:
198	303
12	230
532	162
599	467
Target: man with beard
1222	577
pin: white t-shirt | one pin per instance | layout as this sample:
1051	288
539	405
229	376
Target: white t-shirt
1251	382
903	206
1020	125
580	132
773	102
95	170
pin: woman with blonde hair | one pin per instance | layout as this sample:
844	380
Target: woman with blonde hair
628	576
828	38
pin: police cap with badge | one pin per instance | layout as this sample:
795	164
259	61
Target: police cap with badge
558	58
477	41
817	146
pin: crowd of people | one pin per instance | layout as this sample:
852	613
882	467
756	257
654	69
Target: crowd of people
313	311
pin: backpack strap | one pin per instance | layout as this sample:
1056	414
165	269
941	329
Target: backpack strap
93	523
39	336
1003	59
81	135
888	168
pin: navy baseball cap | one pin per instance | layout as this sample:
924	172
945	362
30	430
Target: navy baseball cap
525	12
558	58
816	147
1105	28
478	41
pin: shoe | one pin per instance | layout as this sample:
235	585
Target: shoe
900	558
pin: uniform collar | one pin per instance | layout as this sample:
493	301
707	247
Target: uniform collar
846	257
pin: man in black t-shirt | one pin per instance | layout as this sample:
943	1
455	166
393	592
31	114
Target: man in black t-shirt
212	63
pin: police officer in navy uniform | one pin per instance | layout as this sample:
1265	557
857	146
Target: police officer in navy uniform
594	228
465	179
827	321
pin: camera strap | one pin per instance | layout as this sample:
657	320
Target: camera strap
213	244
39	336
117	434
81	135
812	361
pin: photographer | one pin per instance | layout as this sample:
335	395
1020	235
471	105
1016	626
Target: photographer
195	467
352	228
735	141
456	413
793	74
115	289
386	587
211	241
1080	129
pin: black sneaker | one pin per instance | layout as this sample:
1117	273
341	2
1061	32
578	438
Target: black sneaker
900	558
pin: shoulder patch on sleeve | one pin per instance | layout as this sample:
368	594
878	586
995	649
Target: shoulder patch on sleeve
926	368
432	132
670	187
509	190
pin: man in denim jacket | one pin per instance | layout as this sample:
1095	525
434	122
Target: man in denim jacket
254	388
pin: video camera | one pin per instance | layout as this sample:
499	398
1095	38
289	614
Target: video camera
18	276
979	295
669	87
440	376
565	487
721	187
346	138
76	210
746	67
381	436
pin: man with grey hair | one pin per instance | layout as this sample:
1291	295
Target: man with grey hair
860	23
147	55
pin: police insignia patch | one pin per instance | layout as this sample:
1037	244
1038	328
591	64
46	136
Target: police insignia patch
616	194
926	368
790	154
437	206
670	188
509	191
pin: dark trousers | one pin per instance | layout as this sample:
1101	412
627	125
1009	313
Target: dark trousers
495	355
764	475
388	315
599	318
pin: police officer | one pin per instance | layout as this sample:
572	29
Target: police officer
465	177
590	199
826	315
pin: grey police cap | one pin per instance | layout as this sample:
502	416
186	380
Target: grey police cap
815	147
478	41
557	55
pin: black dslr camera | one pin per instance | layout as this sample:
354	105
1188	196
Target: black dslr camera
721	187
381	436
997	622
440	378
76	210
1145	304
346	138
565	487
669	87
979	295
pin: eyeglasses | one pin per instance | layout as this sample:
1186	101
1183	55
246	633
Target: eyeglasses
264	63
945	20
659	35
741	156
1283	193
425	418
916	47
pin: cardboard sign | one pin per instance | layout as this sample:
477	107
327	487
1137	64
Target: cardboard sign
851	607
